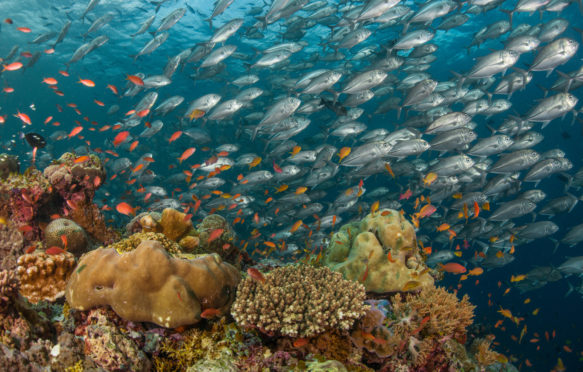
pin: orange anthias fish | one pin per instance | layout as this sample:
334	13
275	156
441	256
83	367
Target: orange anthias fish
12	66
453	268
136	80
87	82
256	274
186	154
210	313
120	138
296	226
125	208
196	114
214	235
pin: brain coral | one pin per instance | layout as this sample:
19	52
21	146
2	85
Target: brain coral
299	301
381	252
75	237
148	285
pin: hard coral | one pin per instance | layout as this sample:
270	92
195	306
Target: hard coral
381	251
223	244
148	285
43	276
89	217
75	180
8	288
133	241
175	224
22	196
11	246
75	239
299	301
111	348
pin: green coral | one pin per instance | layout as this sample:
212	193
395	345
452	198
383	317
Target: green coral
132	242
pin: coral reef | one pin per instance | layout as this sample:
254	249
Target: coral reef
133	241
75	240
147	284
73	179
415	329
8	164
22	198
11	246
174	224
298	301
381	252
89	217
109	347
8	288
223	244
43	276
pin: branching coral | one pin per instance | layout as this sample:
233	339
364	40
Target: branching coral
299	301
148	285
43	276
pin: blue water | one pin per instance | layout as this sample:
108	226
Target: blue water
111	63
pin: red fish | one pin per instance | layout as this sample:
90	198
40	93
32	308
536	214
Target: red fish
276	168
406	195
256	274
186	154
12	66
54	250
75	131
453	268
125	208
214	235
135	80
120	137
23	117
210	313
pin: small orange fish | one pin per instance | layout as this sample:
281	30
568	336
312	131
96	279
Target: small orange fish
210	313
299	342
301	190
256	274
296	226
255	162
175	136
23	117
54	250
136	80
186	154
429	178
81	159
12	66
113	88
344	152
120	138
125	208
295	150
50	81
389	169
25	30
196	114
215	234
87	82
75	131
453	268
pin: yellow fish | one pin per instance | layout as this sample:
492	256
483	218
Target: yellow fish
517	278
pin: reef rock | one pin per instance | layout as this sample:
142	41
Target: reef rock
148	285
381	252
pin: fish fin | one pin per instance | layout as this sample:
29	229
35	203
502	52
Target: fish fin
210	21
566	77
510	14
571	289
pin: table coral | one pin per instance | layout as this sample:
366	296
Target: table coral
299	301
381	252
148	285
43	276
75	240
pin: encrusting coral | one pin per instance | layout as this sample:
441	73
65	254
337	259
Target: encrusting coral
174	224
133	241
66	234
148	285
43	276
381	252
299	301
11	246
8	288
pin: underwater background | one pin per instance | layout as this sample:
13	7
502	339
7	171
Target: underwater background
552	319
